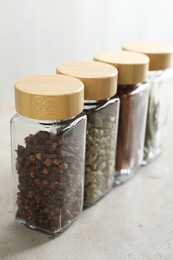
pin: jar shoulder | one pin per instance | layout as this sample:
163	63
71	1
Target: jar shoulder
131	90
17	119
96	106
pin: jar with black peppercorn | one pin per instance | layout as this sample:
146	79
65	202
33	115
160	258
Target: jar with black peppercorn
160	78
48	151
102	110
133	93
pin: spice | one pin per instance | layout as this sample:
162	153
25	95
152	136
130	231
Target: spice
152	135
49	169
102	110
131	129
48	152
133	94
100	152
157	112
160	79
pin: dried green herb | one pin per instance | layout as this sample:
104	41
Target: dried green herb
152	135
159	101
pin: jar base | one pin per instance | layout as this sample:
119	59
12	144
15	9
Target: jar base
150	157
57	233
87	205
124	175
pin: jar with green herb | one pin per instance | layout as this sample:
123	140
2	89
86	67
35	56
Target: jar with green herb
133	93
102	110
160	78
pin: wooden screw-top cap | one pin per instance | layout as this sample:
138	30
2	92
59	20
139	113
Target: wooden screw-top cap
160	54
49	97
100	79
132	67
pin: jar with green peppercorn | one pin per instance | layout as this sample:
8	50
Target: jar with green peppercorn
102	110
160	79
48	151
133	93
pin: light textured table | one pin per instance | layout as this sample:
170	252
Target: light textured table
134	221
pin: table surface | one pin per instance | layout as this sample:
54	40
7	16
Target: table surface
134	221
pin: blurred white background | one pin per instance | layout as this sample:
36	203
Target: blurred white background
38	35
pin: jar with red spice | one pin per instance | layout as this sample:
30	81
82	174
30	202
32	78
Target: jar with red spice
48	151
133	93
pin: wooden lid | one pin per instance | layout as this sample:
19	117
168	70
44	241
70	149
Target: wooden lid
100	79
49	97
160	54
132	67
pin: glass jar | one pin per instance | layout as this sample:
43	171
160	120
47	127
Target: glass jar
102	110
157	112
131	131
133	95
48	151
160	79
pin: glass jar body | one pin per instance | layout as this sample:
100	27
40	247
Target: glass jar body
159	99
131	130
102	124
48	172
